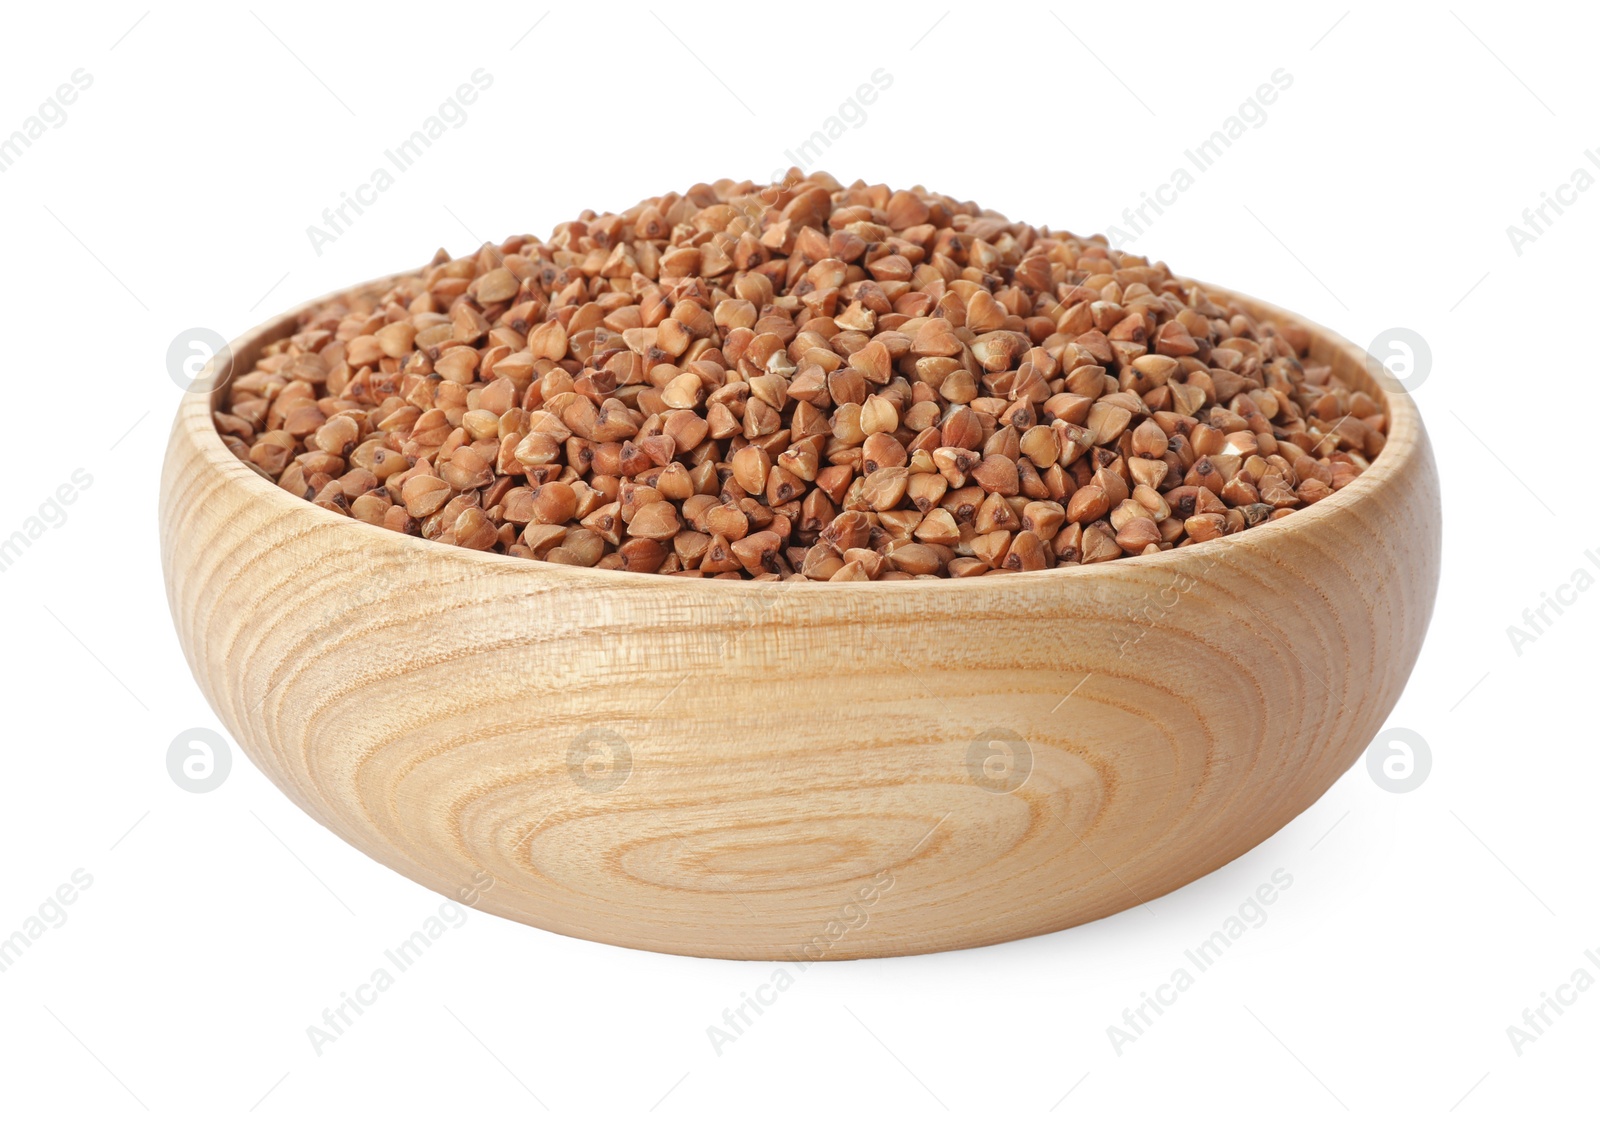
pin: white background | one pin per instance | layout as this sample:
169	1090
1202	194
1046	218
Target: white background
1377	194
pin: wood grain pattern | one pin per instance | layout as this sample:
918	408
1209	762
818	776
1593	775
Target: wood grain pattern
806	773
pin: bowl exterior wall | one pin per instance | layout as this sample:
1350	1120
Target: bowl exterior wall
793	771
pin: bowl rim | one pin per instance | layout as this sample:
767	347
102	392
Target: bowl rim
1406	444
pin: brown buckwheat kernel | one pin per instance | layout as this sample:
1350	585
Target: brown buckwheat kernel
804	381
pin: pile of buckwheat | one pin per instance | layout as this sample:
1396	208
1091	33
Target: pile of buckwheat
801	381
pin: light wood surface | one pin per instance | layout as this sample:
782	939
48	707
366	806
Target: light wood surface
807	775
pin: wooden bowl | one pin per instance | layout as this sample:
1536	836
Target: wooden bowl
800	771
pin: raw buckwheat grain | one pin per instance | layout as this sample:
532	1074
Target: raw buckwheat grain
803	381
